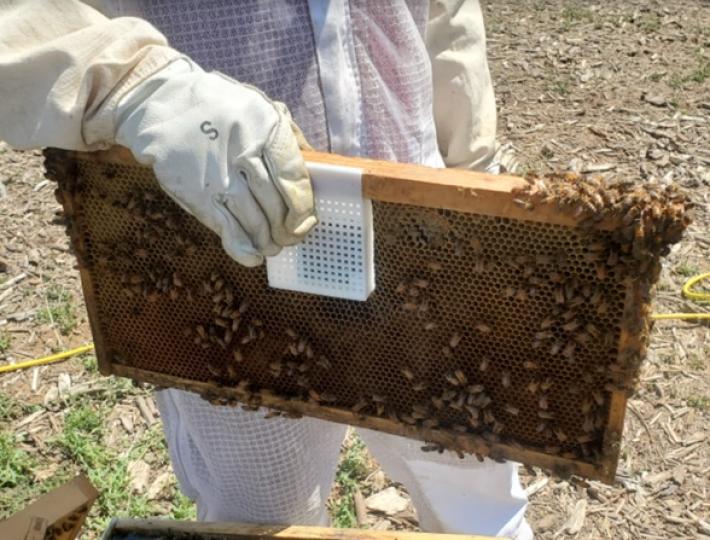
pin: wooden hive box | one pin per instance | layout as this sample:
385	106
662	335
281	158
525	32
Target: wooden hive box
165	529
509	319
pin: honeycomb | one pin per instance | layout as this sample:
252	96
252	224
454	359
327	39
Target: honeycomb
501	330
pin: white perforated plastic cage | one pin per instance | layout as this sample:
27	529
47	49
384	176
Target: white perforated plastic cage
337	257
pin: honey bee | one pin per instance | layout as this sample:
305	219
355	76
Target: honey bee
543	403
512	410
359	406
323	362
598	397
475	244
408	373
568	351
483	328
421	283
483	365
533	386
328	398
529	364
522	295
429	325
547	323
434	266
437	402
432	447
571	326
461	376
420	386
505	379
451	379
408	419
545	415
214	369
475	388
430	423
455	340
527	205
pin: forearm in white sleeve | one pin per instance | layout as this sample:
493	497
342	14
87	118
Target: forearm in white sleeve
64	66
464	105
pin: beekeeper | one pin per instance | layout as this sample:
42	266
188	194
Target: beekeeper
403	80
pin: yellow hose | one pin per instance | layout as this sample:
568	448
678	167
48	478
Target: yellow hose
695	296
47	359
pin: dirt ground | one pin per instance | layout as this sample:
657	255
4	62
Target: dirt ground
618	88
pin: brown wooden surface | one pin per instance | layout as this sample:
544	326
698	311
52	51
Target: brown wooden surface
561	466
292	532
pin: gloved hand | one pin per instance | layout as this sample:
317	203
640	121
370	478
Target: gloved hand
224	152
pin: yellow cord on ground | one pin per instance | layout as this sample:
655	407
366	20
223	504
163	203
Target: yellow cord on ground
690	294
47	359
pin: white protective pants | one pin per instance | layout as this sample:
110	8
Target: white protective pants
238	466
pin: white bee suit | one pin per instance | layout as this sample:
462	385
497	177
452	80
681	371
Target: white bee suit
404	80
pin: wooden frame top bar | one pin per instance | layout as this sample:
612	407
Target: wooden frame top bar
407	183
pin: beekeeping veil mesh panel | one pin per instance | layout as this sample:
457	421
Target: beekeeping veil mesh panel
484	334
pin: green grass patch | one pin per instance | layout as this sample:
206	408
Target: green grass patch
696	362
60	310
701	403
83	443
574	15
351	471
698	74
11	409
686	270
5	341
90	364
650	23
560	87
16	465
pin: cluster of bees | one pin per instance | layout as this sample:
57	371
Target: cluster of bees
68	524
647	217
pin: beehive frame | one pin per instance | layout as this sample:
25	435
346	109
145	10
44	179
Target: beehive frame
489	230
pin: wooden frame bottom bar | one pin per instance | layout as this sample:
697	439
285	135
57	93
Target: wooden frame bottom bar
475	445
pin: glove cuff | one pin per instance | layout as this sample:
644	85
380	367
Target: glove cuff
99	129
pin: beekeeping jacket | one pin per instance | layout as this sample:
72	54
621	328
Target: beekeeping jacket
403	80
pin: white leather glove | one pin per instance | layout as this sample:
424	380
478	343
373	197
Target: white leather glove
224	152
